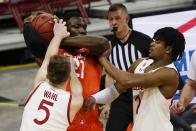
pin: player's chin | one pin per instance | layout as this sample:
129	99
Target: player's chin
83	34
75	35
150	56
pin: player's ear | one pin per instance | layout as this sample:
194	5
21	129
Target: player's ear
169	49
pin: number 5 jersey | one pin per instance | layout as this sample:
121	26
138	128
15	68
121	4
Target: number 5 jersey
47	108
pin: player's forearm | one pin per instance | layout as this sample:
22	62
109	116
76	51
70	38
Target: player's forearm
96	44
115	73
126	79
53	47
76	86
188	93
106	96
52	50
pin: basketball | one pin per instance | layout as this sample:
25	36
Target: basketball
43	24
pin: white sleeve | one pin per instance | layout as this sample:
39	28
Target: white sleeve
107	95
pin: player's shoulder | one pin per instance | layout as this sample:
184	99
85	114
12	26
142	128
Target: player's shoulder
168	69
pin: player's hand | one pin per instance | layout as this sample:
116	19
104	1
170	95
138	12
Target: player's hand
60	30
105	112
177	107
89	102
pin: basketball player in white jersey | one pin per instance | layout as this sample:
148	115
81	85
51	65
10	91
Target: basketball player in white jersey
155	77
49	106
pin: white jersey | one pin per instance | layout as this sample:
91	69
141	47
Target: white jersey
192	67
153	113
47	109
137	91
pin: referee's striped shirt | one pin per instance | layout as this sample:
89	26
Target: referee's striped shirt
124	54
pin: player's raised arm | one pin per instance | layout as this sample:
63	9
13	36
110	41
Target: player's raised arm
60	32
76	90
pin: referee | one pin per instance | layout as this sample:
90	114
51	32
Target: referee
127	46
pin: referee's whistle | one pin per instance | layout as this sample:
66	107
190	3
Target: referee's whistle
114	29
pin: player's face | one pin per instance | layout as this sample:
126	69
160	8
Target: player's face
76	26
119	19
158	49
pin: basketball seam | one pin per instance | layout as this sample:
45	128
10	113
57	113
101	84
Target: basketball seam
35	21
39	28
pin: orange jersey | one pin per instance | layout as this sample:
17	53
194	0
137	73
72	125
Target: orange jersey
86	121
89	72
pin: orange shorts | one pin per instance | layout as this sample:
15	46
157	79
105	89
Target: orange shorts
86	121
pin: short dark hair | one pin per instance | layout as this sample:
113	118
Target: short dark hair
58	69
117	6
172	37
33	41
71	14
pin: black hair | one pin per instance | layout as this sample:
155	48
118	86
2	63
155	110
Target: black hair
172	37
33	41
71	14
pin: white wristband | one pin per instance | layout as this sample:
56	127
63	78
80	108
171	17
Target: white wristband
107	95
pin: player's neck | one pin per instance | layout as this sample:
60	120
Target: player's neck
59	86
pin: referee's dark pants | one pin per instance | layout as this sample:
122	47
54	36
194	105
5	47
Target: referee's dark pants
121	113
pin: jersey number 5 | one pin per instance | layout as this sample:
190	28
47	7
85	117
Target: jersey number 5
45	109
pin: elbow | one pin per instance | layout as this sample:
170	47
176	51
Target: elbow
104	44
101	46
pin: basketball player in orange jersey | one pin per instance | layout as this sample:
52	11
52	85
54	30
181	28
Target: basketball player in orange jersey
49	102
89	72
85	49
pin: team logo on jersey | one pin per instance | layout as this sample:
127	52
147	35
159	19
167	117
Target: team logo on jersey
82	121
